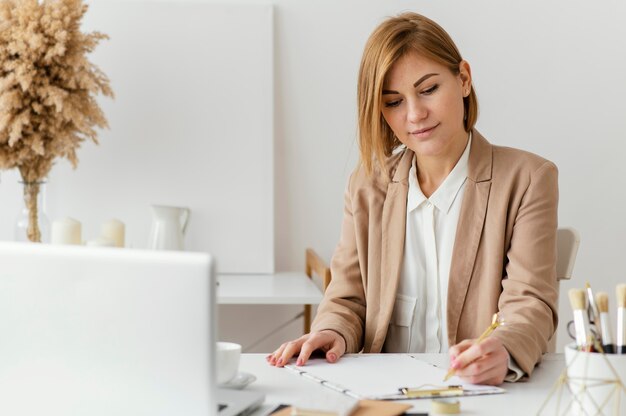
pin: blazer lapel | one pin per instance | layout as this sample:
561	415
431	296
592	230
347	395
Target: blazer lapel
469	229
393	231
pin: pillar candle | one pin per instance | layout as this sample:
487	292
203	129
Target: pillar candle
113	230
101	242
66	231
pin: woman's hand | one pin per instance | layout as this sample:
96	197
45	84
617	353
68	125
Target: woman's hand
484	363
330	342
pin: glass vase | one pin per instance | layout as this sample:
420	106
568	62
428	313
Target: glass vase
32	224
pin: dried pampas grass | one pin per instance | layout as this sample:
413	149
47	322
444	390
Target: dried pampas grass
47	88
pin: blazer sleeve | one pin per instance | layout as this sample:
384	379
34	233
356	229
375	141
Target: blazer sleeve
343	307
528	302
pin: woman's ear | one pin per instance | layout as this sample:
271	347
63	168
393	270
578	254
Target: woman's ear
465	74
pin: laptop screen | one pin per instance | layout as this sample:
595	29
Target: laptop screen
101	331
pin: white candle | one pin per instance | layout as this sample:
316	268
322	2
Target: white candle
66	231
113	230
101	242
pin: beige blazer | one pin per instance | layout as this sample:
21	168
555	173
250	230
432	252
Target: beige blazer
504	255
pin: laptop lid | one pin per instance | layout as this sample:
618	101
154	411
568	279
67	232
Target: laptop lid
102	331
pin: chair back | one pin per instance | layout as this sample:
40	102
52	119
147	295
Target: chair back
314	266
567	242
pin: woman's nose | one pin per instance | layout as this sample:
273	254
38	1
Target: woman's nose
416	111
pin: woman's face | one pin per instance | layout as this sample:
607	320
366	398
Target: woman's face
422	102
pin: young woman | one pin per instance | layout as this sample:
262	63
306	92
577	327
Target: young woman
441	229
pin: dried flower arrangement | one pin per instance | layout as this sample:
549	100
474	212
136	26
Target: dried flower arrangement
47	88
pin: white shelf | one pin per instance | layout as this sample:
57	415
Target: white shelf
289	288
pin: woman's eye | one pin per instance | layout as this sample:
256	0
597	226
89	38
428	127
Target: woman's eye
394	103
430	90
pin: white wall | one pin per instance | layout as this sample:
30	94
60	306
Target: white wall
549	77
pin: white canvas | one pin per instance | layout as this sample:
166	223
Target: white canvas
191	125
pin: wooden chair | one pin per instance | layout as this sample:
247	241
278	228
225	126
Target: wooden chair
315	266
567	242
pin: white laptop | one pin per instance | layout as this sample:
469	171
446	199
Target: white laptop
105	331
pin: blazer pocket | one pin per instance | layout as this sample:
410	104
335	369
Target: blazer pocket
399	333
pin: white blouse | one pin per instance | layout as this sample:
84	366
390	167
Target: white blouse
418	322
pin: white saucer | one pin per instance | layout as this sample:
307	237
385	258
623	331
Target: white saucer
240	381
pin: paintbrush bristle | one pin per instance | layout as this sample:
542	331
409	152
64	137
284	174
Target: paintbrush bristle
577	298
602	299
620	291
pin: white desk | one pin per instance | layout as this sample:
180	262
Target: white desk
290	288
283	386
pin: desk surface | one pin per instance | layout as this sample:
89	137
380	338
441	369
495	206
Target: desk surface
291	288
525	398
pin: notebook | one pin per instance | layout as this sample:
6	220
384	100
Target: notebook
102	331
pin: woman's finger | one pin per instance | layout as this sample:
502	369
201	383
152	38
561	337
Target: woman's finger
476	351
457	349
328	341
486	363
317	341
485	371
291	348
338	349
273	358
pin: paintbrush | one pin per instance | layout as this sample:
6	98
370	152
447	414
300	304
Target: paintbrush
594	315
620	292
577	299
602	299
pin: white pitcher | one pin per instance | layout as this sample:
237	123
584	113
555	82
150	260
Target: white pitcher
168	227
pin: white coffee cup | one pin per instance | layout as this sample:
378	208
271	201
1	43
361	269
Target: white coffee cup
228	354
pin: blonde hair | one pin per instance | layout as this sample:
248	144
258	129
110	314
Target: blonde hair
391	40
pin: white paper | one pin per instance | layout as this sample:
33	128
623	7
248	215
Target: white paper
379	376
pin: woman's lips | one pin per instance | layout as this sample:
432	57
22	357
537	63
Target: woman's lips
422	133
